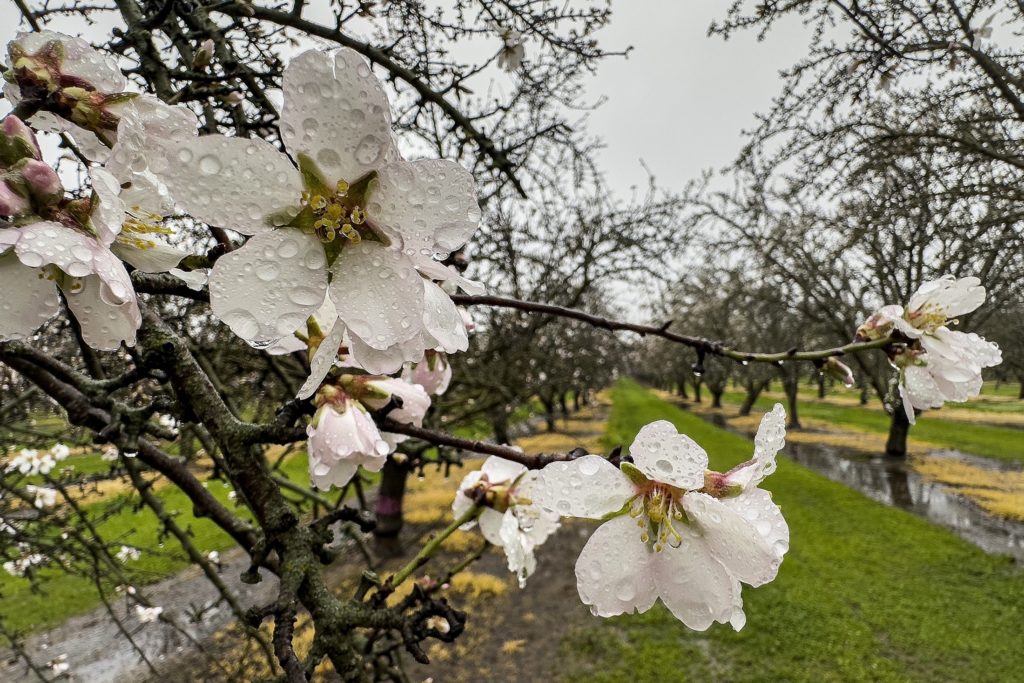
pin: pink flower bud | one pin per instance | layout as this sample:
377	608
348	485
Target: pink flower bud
42	181
17	142
12	203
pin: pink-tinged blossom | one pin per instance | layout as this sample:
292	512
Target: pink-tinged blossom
509	518
433	373
342	437
674	530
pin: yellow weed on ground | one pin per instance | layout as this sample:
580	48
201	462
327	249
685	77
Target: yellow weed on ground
999	492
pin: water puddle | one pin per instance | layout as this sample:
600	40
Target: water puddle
894	482
903	484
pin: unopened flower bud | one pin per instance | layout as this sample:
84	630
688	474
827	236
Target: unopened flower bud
838	370
234	97
204	55
17	142
41	180
12	203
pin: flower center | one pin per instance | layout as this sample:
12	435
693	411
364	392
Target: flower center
335	214
929	317
137	224
657	509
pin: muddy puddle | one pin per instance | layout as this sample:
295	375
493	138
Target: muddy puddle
896	482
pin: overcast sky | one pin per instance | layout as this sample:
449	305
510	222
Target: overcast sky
678	102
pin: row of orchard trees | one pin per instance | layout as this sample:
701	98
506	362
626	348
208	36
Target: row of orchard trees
893	155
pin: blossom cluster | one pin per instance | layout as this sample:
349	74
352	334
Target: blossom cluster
935	364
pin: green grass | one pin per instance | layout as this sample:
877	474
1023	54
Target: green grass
866	593
998	443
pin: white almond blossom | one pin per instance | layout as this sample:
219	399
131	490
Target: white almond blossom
342	437
147	615
509	518
674	530
349	220
128	554
21	565
30	461
43	497
59	665
433	373
937	364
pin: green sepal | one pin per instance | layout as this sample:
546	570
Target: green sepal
312	178
634	473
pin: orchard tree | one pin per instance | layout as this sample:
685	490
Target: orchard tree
263	252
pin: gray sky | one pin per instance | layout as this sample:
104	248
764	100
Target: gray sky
678	102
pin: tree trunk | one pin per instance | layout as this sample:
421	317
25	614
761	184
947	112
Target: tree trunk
865	394
388	509
791	385
753	391
821	385
1021	394
575	400
549	412
500	427
899	429
716	398
682	388
563	403
696	389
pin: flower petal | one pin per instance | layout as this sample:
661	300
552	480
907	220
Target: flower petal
614	571
770	438
585	487
665	455
386	361
267	289
28	301
501	471
243	184
323	360
490	524
733	539
442	319
80	59
337	113
430	205
155	257
46	243
105	322
378	294
694	585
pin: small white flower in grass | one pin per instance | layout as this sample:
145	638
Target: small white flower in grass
352	222
342	436
148	615
60	451
936	364
124	589
213	556
59	665
44	497
509	519
674	530
109	454
128	554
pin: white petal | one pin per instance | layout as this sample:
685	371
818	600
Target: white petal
490	524
614	571
47	242
694	586
266	290
770	438
757	507
336	113
665	455
501	471
442	319
378	294
518	548
430	205
105	323
732	539
156	257
438	271
80	60
242	184
585	487
387	361
108	213
28	300
323	360
908	404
